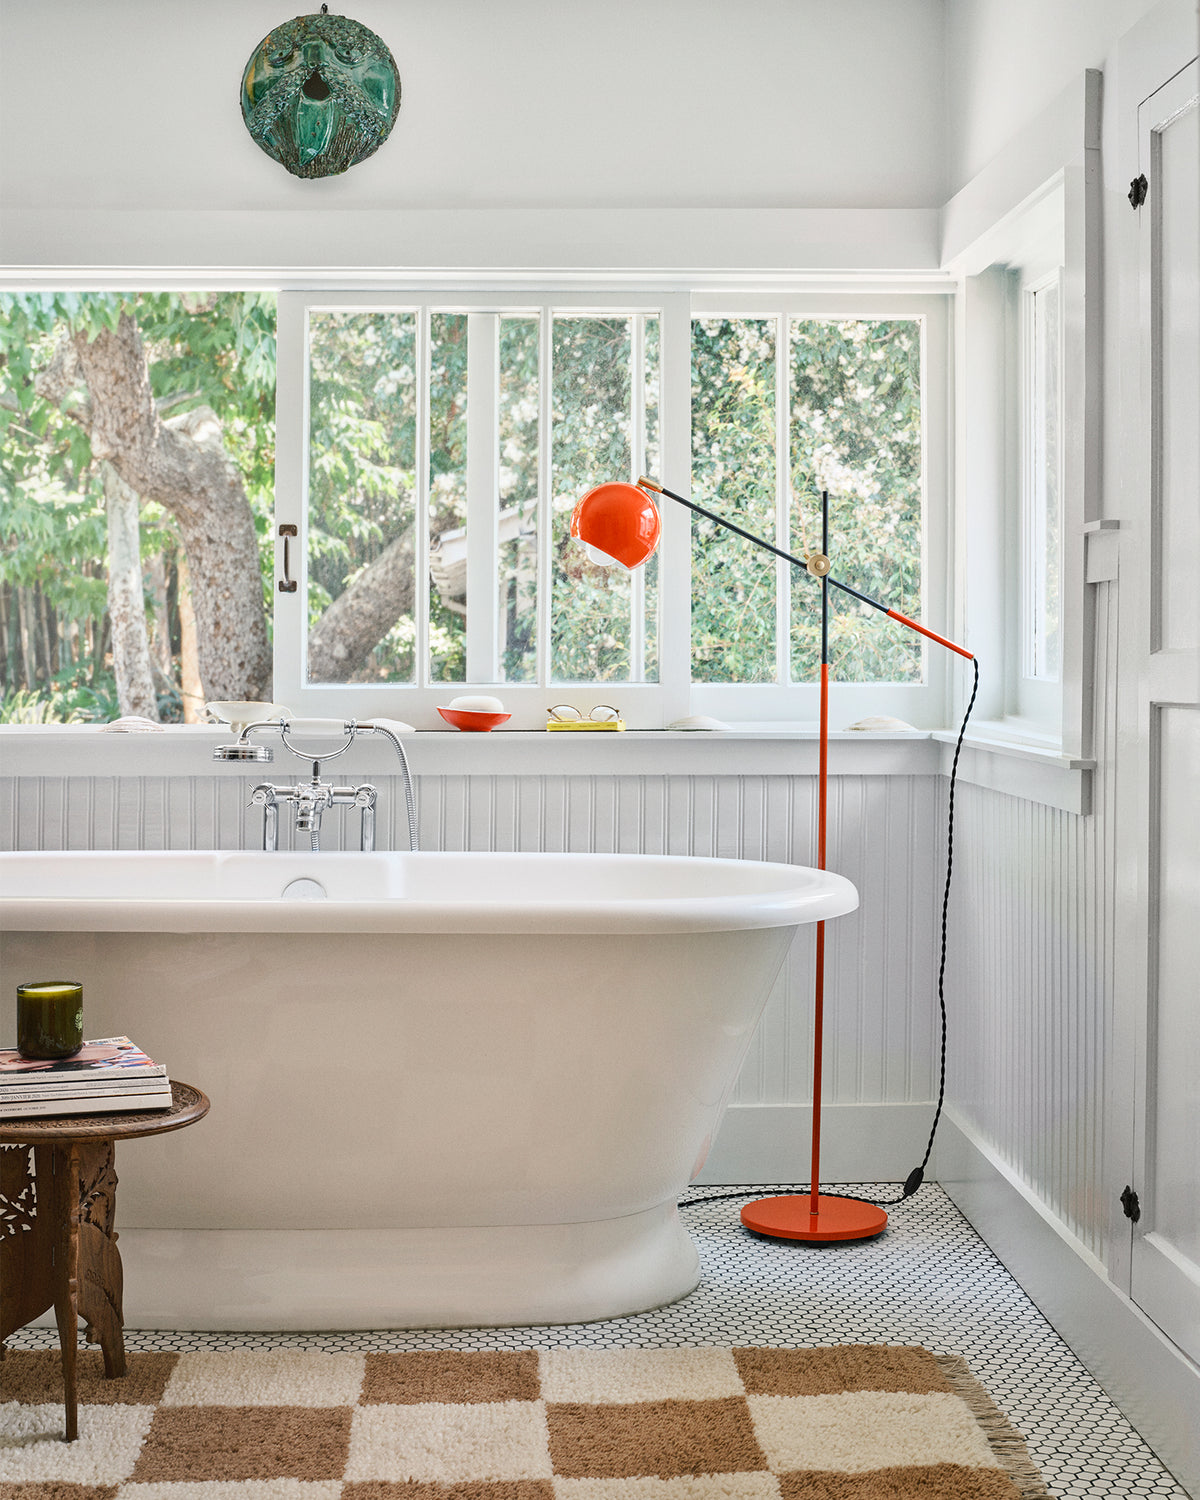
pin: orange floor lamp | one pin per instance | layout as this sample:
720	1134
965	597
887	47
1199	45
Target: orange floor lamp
620	523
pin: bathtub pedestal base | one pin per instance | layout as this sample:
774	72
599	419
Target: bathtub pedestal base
269	1280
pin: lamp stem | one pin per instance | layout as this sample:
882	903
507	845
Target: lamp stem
834	1216
822	811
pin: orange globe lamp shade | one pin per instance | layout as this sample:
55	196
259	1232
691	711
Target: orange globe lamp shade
617	523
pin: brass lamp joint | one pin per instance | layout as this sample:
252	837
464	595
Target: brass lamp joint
817	564
649	484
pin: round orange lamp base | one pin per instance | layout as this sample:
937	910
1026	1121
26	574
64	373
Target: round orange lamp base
791	1218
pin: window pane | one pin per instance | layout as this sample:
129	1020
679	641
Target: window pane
448	496
733	473
1042	498
518	497
651	465
591	399
361	496
111	603
856	431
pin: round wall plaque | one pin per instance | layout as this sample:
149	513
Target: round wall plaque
320	93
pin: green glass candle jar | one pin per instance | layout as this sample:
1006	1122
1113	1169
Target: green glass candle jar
49	1019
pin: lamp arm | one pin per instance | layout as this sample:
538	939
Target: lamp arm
800	562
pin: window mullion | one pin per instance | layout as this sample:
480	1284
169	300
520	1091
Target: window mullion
783	580
421	540
637	460
483	486
675	556
291	493
545	539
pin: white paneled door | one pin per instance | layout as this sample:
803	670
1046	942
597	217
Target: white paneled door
1165	1264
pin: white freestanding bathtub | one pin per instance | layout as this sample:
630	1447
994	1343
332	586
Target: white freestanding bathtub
447	1089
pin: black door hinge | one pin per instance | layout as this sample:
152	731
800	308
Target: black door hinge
1130	1204
1138	189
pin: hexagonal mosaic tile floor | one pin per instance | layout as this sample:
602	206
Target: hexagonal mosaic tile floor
928	1280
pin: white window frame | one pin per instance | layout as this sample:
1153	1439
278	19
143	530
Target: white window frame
921	703
643	705
1038	694
1013	223
996	394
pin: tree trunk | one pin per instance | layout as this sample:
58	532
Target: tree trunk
356	621
103	645
162	663
5	642
126	601
191	689
23	616
182	464
44	628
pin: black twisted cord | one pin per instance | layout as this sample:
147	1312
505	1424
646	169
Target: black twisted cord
917	1176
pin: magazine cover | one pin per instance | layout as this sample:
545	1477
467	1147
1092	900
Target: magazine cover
112	1056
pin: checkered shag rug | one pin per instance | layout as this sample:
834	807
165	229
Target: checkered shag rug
854	1422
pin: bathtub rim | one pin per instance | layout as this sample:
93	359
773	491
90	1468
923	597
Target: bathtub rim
820	896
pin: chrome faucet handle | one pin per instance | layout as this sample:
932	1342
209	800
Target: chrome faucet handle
319	729
266	796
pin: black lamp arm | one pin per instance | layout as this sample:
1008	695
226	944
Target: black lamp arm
800	562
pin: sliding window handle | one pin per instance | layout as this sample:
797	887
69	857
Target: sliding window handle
287	584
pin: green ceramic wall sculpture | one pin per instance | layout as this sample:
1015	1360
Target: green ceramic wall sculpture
320	93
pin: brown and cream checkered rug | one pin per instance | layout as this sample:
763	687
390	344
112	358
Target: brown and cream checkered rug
856	1422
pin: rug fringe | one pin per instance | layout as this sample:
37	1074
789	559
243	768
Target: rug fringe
1006	1442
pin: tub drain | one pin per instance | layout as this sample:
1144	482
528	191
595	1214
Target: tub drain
305	890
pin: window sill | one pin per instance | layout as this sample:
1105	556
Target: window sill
1032	769
186	751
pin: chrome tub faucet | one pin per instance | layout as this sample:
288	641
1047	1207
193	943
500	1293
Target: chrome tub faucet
311	798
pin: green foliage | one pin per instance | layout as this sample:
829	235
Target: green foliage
203	349
589	605
854	428
856	432
362	461
519	417
363	466
733	475
70	698
25	706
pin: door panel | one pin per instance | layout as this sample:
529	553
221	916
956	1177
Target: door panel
1175	164
1165	1269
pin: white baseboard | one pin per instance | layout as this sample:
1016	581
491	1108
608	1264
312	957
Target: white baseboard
1151	1380
859	1143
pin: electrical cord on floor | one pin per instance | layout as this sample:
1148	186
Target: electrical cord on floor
917	1176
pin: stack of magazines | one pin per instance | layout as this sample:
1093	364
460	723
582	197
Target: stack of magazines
104	1077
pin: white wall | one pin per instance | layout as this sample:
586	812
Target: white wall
1007	60
133	105
658	134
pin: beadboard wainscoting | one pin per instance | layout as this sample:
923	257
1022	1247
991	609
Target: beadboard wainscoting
1030	990
1030	969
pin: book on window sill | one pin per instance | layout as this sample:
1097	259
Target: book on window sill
87	1104
111	1058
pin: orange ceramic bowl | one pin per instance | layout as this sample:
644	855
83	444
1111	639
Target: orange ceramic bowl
466	718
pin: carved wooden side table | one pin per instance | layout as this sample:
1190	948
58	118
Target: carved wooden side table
58	1247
